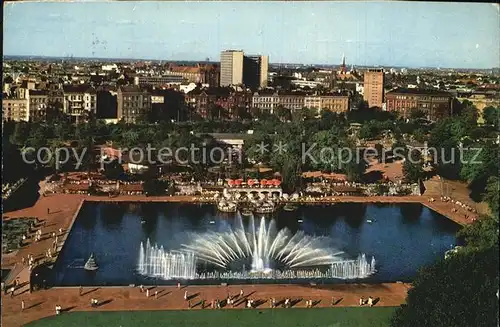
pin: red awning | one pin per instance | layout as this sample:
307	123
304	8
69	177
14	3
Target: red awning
250	182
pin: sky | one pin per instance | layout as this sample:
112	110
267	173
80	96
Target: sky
407	34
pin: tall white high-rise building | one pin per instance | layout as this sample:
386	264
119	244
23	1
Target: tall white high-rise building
231	67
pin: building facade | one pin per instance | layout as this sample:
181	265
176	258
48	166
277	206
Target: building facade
171	78
255	69
373	88
434	104
80	101
335	103
133	103
231	67
269	102
38	103
15	109
266	102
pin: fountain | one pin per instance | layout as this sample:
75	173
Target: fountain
272	254
154	261
263	245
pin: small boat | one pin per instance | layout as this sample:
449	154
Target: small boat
212	222
369	221
91	265
289	207
300	221
225	206
266	207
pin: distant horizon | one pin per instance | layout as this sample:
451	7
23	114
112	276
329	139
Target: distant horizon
370	34
112	59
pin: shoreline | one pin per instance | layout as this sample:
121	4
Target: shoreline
64	208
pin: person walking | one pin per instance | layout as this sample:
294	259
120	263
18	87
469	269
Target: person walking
81	290
147	292
22	305
156	295
185	295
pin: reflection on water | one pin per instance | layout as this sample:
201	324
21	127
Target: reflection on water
402	238
411	212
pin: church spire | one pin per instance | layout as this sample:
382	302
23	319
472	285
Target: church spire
343	70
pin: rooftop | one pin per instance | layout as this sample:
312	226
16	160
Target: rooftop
130	88
38	92
78	89
419	91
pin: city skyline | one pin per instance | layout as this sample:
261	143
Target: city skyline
369	34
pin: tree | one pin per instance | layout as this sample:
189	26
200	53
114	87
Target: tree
355	167
492	194
154	187
113	170
444	140
258	147
479	162
491	115
217	112
290	172
419	135
368	131
481	234
416	113
325	149
459	291
379	148
283	113
412	167
241	113
20	134
309	113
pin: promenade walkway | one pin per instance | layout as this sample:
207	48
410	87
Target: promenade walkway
42	304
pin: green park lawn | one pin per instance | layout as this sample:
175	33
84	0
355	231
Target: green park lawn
320	317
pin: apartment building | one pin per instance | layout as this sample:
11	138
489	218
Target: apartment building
171	78
336	103
373	88
231	67
434	103
37	104
15	109
133	103
80	101
255	69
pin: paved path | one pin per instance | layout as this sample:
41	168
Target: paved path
42	304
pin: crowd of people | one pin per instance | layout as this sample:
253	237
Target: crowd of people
8	189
